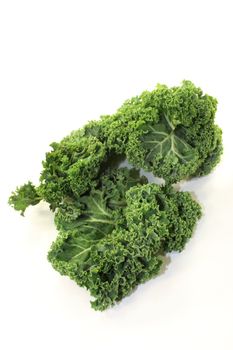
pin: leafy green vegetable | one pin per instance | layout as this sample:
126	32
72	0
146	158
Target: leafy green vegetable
23	197
114	266
70	168
113	227
164	139
102	208
124	245
173	215
169	132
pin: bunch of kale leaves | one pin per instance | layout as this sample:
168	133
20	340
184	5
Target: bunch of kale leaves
114	228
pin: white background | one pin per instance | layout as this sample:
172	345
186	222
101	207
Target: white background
63	63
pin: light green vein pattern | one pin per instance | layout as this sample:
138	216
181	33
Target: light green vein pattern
162	140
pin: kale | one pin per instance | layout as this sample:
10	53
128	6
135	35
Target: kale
169	132
24	196
110	250
115	228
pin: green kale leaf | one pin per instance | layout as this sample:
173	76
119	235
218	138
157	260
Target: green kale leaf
112	250
23	197
114	228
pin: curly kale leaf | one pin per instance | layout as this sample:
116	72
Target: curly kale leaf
115	182
23	197
121	261
171	215
102	205
89	213
113	227
164	139
124	244
114	266
182	212
70	168
168	131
